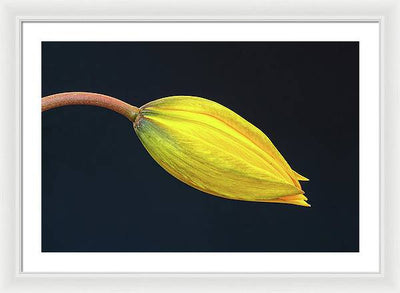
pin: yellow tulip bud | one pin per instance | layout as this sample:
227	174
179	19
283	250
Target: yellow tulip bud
211	148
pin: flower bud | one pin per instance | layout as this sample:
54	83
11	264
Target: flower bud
211	148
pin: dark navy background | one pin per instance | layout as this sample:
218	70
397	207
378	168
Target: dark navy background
103	192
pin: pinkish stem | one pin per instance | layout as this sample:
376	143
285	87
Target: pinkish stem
90	99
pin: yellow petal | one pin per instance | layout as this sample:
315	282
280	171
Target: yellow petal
299	202
300	177
211	148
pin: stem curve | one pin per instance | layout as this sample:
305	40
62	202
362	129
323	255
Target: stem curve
90	99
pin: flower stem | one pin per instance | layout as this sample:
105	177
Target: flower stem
90	99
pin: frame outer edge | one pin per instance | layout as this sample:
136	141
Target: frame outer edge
10	278
390	145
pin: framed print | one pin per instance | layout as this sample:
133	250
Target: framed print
200	153
239	230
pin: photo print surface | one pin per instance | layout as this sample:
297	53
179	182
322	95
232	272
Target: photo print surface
103	192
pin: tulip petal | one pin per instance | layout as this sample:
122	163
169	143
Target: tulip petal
300	177
236	122
299	202
211	148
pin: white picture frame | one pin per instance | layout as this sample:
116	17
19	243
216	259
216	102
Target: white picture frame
387	14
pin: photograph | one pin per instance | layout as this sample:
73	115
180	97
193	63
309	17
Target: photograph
217	146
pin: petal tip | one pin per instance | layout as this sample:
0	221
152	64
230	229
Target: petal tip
300	177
